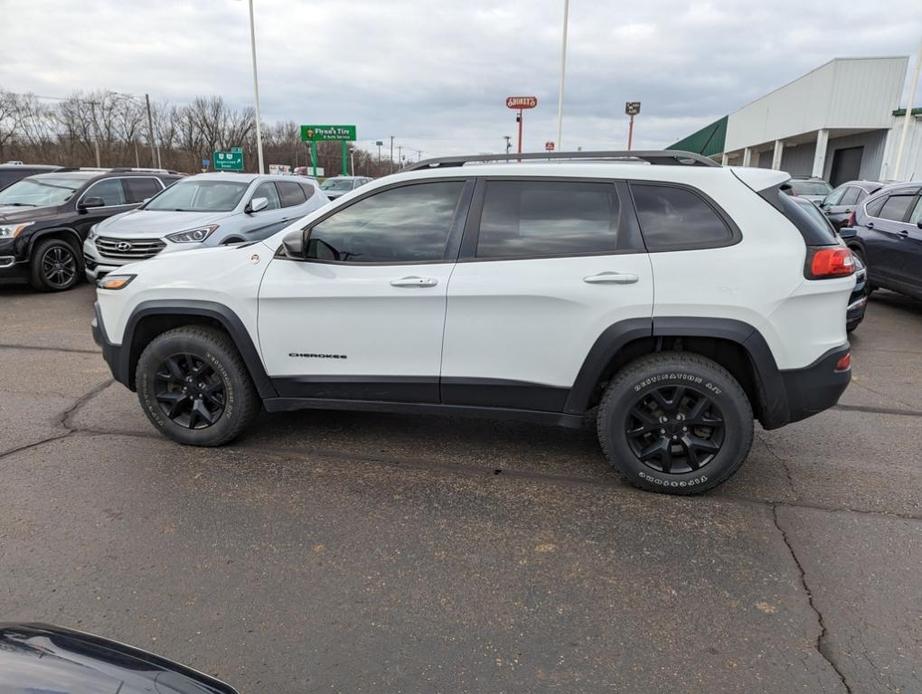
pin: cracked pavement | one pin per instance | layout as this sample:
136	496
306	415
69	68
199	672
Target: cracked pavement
363	552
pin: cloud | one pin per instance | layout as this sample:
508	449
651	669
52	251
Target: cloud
435	73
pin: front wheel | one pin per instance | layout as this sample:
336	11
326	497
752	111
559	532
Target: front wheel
194	387
675	422
55	266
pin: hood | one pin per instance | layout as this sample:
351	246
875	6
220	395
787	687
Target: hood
154	222
16	214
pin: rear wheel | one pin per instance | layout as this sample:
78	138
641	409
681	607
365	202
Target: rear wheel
55	266
194	387
675	422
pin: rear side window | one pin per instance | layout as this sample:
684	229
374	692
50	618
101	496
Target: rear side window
290	193
532	219
308	190
896	207
673	219
873	207
851	196
139	189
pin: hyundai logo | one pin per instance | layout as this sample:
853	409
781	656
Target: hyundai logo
123	246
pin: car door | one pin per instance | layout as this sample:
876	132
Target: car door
885	233
361	316
263	223
115	200
547	265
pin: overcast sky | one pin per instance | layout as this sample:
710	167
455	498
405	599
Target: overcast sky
435	73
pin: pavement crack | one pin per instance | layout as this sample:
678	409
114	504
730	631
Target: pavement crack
65	417
870	409
784	466
34	444
821	645
42	348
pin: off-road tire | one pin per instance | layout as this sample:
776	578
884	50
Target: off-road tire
216	353
634	385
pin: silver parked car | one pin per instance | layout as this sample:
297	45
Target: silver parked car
340	185
211	209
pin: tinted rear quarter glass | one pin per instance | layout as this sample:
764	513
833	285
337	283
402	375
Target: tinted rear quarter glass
528	219
873	207
673	218
140	188
896	207
290	193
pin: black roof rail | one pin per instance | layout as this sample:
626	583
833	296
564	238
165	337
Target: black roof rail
667	157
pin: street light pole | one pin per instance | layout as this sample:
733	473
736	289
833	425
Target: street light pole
563	72
259	137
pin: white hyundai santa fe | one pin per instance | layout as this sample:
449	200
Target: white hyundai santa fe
671	299
214	209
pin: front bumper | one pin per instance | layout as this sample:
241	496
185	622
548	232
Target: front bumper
110	353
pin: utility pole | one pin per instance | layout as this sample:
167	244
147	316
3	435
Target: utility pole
908	116
380	144
392	153
154	161
400	155
508	143
563	72
95	133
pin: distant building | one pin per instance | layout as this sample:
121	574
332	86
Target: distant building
841	121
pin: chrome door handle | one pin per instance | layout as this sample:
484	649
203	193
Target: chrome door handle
611	278
414	281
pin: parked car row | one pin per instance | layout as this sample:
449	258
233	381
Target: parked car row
59	224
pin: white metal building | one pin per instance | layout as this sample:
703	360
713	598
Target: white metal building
841	121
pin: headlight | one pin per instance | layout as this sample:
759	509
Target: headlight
115	281
196	235
92	235
11	231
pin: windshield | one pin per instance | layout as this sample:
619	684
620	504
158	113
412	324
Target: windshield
199	196
810	187
40	192
337	184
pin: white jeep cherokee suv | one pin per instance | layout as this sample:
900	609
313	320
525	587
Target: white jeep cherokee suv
672	299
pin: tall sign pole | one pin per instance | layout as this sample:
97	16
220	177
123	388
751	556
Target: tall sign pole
259	135
563	72
631	108
520	103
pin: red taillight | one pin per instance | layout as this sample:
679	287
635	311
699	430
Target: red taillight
844	363
851	220
829	261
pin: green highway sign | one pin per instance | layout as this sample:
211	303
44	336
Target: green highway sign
317	133
228	161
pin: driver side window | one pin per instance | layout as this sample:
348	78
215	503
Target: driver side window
400	225
268	191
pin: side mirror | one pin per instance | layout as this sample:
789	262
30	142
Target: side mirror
293	243
256	204
88	203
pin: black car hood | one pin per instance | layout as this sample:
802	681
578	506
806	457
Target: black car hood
17	215
43	658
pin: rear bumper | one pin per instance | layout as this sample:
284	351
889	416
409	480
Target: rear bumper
816	387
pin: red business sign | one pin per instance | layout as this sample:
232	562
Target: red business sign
518	102
549	146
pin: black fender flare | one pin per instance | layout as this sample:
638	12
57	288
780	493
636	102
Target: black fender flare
769	380
40	234
229	320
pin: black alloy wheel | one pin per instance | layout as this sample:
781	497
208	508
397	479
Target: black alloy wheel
675	429
59	266
189	391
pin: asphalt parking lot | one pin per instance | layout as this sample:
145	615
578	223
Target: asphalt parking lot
360	552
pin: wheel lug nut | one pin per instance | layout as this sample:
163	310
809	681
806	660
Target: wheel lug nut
684	428
662	431
675	438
